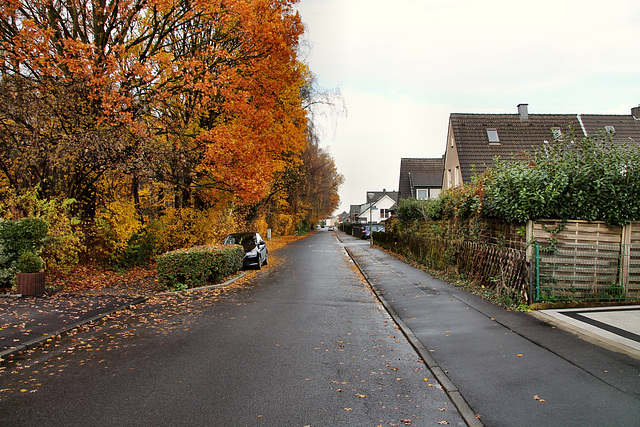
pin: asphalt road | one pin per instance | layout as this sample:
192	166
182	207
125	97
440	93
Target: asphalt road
511	367
303	342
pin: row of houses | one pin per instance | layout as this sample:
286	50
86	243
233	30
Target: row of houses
475	140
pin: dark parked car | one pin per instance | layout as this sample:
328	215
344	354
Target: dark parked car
255	248
366	233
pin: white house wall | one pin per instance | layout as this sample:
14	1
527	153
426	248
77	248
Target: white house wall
451	176
385	203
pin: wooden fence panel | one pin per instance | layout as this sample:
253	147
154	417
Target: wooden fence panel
504	234
579	259
576	232
504	270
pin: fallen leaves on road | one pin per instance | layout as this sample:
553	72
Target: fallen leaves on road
168	313
92	279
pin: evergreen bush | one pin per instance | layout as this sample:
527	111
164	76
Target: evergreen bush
592	179
28	262
17	237
195	266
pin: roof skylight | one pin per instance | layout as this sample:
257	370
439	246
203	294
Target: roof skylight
492	134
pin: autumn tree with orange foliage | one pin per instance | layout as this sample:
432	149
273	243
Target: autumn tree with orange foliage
305	192
201	94
136	109
307	189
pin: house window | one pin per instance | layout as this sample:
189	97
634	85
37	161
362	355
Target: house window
610	129
422	194
449	180
456	177
385	213
492	134
557	133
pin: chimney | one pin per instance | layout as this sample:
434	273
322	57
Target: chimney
523	110
635	112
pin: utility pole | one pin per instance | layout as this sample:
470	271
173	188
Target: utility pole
370	197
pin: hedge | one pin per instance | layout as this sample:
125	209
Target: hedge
192	267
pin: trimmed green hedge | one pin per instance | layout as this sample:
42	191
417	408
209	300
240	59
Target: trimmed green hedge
192	267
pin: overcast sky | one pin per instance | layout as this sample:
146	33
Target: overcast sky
403	66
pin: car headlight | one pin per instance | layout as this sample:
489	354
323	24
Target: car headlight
252	253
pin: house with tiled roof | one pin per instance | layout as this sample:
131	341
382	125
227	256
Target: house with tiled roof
379	206
420	178
474	140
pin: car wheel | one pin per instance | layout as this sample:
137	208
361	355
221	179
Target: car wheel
266	260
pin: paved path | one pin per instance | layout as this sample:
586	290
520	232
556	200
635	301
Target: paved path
616	328
303	342
27	322
512	368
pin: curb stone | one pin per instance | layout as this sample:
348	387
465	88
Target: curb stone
217	285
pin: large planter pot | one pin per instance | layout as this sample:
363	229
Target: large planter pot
30	284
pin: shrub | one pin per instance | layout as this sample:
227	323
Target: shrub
195	266
28	262
27	234
410	210
116	223
591	179
65	239
188	227
464	202
7	267
16	238
419	210
140	249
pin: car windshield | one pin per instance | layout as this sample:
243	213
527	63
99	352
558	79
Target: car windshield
247	240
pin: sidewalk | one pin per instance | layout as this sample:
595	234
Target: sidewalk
512	368
615	328
27	322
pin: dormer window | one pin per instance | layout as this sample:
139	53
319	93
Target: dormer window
492	134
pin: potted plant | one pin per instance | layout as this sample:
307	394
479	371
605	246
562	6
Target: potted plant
30	278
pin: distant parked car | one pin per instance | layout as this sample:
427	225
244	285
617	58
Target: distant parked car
331	228
255	248
366	230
